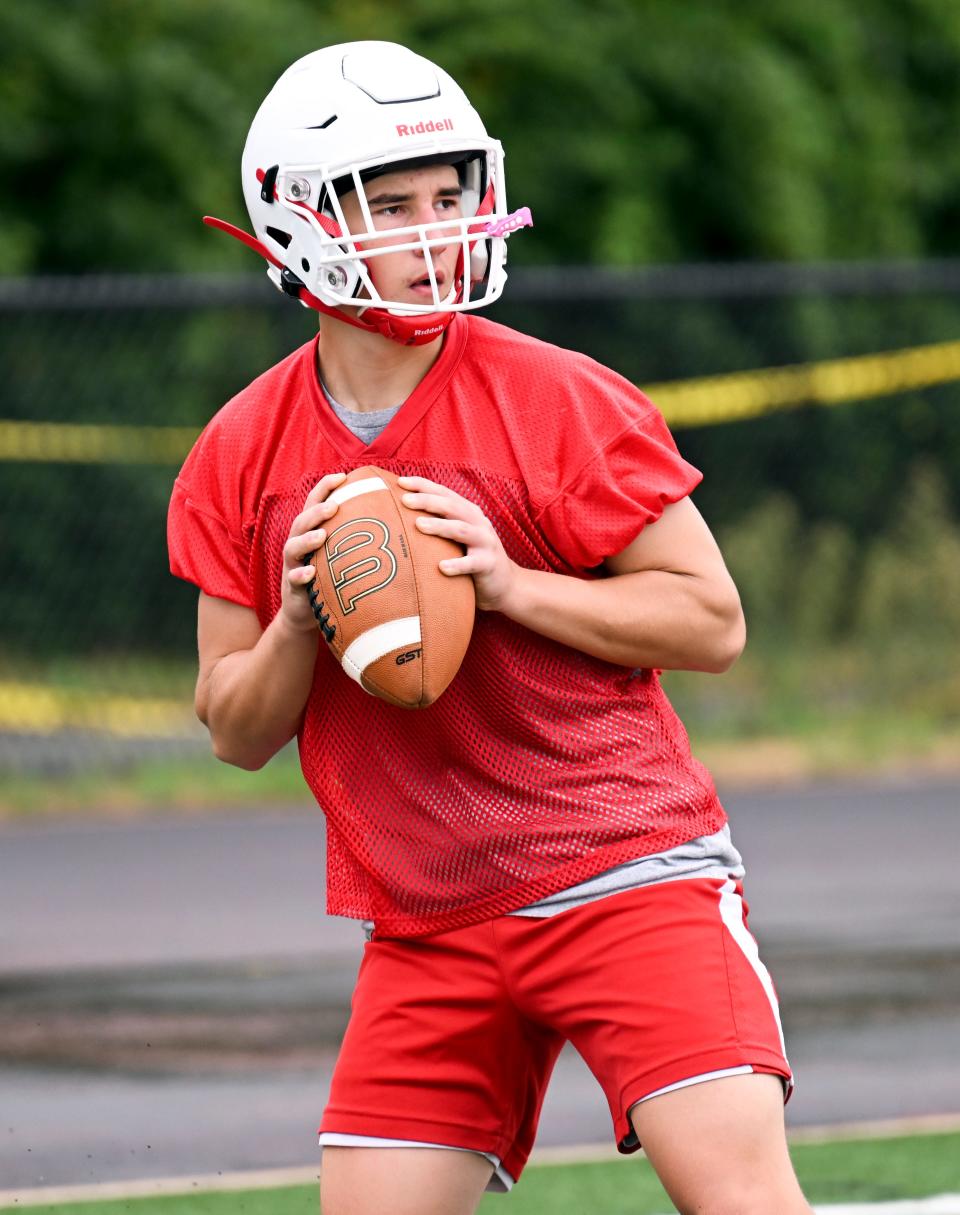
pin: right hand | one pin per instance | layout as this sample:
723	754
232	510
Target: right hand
307	533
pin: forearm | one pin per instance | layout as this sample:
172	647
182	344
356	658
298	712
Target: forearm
649	618
252	700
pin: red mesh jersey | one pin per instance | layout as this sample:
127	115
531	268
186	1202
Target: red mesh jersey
539	766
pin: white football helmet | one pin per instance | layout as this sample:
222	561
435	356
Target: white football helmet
337	118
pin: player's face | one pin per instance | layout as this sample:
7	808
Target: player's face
399	200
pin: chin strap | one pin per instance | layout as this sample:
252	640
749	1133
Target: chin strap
407	330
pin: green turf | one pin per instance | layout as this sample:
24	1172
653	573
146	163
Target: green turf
296	1200
879	1170
870	1170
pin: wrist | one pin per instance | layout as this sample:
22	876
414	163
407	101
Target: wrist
292	631
518	599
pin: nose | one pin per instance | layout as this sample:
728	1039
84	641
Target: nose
426	214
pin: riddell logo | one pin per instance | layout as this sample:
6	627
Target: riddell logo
421	128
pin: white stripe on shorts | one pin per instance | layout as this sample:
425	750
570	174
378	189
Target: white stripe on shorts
500	1183
744	1070
731	912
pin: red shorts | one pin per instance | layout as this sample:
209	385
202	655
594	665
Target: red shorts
453	1037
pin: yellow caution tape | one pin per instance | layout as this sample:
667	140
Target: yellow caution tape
29	708
40	709
61	443
750	394
706	401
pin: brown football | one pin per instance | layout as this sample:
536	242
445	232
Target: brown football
395	623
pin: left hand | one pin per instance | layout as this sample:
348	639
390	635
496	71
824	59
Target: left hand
447	514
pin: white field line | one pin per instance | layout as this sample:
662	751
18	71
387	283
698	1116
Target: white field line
943	1204
264	1179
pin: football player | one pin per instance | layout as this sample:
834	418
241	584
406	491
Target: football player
537	857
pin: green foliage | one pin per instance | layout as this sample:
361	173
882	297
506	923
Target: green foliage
849	660
819	584
911	579
852	633
637	132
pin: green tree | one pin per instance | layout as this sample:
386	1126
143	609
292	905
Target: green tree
638	130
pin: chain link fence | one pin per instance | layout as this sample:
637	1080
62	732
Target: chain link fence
831	487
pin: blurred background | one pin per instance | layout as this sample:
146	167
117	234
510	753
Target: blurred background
751	210
716	188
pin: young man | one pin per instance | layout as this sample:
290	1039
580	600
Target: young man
538	857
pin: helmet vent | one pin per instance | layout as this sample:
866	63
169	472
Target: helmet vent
281	237
322	126
389	74
267	183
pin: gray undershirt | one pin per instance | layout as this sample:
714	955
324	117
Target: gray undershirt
368	425
709	856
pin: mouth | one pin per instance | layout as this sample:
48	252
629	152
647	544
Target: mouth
421	285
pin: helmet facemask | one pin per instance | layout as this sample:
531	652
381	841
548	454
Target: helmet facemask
336	262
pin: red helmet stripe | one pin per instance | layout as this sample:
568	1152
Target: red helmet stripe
330	226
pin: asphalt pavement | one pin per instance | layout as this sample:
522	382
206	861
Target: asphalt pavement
171	991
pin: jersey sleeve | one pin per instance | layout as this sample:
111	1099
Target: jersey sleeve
206	537
620	468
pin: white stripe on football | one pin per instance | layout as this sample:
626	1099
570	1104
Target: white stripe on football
353	489
380	640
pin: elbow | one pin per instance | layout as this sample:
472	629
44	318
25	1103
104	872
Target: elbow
236	752
729	640
247	760
726	655
227	748
221	745
239	753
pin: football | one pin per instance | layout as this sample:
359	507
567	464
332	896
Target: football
394	622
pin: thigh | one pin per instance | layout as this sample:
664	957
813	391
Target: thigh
403	1181
720	1146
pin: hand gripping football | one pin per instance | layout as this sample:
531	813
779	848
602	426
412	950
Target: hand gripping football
396	624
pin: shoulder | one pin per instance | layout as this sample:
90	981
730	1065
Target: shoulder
558	405
567	377
489	337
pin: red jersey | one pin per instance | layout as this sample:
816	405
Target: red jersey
539	766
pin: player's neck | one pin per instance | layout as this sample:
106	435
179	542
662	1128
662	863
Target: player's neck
364	371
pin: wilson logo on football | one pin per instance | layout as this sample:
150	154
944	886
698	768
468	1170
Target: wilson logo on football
360	561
